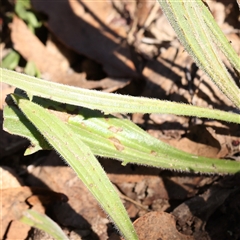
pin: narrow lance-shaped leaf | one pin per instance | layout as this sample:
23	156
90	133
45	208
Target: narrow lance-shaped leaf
108	102
70	146
44	223
121	139
221	41
188	20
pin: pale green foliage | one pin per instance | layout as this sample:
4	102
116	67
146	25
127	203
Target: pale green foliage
105	135
44	223
11	60
202	38
23	10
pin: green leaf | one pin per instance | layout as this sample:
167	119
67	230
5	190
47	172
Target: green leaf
31	69
11	60
108	102
221	41
24	3
18	124
43	222
32	20
121	139
79	156
196	29
21	10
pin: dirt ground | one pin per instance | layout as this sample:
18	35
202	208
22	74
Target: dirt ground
126	47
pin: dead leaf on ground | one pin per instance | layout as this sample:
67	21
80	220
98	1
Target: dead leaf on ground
158	225
165	77
193	214
174	76
53	65
86	28
9	178
13	204
150	184
199	141
227	136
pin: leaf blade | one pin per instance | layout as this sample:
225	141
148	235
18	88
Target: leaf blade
108	102
121	139
80	158
44	223
188	19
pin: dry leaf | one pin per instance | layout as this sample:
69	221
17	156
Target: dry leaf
158	225
53	65
85	28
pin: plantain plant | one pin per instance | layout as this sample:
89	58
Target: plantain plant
78	124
